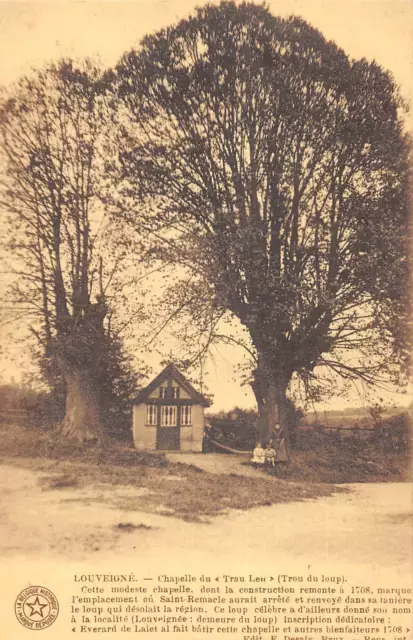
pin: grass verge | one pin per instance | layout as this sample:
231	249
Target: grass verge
165	488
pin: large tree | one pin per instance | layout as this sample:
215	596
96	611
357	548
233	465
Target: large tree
273	167
54	140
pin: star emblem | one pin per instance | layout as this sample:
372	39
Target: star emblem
36	607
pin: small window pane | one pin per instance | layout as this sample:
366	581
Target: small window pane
168	416
186	415
151	414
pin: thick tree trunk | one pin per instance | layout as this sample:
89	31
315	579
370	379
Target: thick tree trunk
78	351
270	412
270	392
283	418
82	421
274	411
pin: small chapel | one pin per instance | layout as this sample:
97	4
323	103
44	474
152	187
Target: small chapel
168	414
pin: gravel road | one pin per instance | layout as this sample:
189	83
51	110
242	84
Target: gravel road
370	525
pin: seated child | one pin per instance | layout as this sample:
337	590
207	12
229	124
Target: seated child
258	456
270	454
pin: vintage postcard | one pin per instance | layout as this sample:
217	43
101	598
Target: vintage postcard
205	331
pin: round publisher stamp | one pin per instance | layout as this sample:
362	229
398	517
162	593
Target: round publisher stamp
36	608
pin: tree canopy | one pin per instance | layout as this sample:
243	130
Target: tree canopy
54	141
274	167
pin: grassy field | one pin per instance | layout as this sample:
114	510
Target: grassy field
342	453
353	417
345	463
183	490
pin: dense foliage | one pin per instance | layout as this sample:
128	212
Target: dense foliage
273	168
67	271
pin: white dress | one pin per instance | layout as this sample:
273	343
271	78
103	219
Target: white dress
258	456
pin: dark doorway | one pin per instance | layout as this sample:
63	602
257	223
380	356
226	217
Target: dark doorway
168	438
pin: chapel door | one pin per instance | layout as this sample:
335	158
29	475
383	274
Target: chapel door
168	431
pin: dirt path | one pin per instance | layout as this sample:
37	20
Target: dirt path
370	525
218	463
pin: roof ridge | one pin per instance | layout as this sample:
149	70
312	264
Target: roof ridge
171	369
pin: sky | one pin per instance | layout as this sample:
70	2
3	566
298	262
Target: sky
34	33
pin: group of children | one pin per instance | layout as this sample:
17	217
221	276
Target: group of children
264	455
271	453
